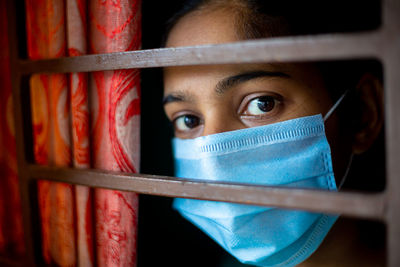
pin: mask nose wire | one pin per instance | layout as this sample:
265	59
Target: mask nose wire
333	108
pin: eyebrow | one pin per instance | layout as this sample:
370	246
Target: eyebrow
232	81
173	98
227	83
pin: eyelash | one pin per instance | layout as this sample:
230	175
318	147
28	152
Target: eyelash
248	102
183	119
180	120
260	105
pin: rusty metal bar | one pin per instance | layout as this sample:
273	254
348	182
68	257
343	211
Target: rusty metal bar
352	204
392	98
302	48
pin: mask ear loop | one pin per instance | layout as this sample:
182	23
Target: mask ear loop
346	172
326	117
333	108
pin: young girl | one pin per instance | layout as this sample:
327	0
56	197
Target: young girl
285	124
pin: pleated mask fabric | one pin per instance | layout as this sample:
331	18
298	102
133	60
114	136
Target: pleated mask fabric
293	153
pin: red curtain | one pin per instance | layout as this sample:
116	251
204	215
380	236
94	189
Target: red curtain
76	11
115	26
67	130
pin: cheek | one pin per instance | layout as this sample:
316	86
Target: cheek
318	101
340	143
305	102
340	151
332	131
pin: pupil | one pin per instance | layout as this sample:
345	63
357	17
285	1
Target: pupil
266	103
191	121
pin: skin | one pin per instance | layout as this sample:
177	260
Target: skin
204	100
200	93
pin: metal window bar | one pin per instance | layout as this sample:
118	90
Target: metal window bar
383	44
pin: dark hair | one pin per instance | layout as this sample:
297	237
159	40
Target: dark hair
262	18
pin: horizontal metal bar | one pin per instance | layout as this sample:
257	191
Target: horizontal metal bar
350	204
302	48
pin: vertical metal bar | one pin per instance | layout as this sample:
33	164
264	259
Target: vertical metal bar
391	28
20	134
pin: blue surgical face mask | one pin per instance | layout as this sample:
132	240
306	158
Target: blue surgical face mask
293	153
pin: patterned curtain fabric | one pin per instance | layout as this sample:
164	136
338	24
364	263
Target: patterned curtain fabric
46	38
77	115
78	87
115	112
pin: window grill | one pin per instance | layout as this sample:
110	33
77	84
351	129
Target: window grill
382	44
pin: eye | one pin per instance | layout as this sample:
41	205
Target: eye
186	123
260	105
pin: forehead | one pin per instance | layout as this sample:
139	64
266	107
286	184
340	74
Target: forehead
216	26
194	78
203	27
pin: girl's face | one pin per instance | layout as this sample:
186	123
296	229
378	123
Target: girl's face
204	100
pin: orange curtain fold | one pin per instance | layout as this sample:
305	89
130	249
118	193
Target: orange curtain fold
45	23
